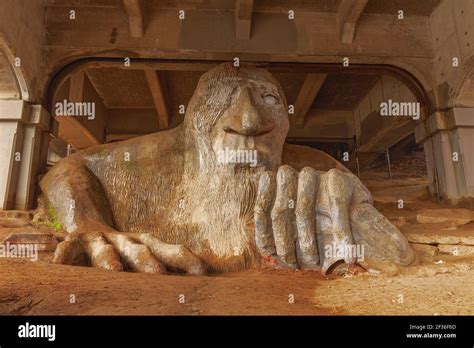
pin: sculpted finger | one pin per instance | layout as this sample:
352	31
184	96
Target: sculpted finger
283	215
137	256
360	193
333	228
263	205
101	253
71	252
307	247
175	256
379	238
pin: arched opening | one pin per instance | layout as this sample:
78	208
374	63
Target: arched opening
340	104
13	83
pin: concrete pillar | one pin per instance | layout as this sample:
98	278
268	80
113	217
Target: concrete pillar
23	140
12	115
448	141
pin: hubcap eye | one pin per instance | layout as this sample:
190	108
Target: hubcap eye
270	99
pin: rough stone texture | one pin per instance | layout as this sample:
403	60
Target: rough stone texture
425	251
455	216
43	241
15	214
456	250
13	223
440	234
16	228
176	187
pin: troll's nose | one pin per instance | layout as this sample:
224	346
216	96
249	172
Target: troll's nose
245	118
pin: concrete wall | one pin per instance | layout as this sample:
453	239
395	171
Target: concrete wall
452	35
22	29
375	134
23	147
323	124
448	140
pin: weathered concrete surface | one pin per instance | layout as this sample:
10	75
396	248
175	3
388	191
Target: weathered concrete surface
447	138
21	34
24	143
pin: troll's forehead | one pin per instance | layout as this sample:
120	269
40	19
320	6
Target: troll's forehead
215	88
227	72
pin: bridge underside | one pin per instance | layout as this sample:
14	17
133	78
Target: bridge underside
339	63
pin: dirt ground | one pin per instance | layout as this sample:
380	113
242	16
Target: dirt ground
440	285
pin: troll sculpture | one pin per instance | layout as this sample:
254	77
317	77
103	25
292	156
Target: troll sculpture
169	202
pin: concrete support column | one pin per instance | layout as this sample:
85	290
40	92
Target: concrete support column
24	139
448	141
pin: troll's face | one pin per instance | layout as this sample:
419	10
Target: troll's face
238	117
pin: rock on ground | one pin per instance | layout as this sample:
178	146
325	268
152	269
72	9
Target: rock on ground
455	216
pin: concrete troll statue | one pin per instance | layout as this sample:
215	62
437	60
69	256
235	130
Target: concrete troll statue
221	192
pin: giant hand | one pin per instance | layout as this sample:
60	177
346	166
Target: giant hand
312	220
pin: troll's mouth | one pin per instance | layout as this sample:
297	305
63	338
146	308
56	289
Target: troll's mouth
249	133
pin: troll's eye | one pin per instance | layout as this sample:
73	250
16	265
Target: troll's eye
270	99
